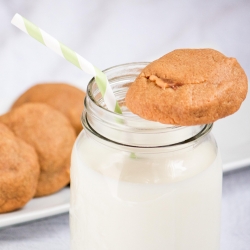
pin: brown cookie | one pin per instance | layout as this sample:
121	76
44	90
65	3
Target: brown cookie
19	171
52	136
188	87
61	96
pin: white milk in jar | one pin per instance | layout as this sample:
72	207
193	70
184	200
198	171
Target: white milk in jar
141	185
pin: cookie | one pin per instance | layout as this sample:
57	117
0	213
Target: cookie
19	171
61	96
188	87
52	136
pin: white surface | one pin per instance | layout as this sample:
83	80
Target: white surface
112	32
53	233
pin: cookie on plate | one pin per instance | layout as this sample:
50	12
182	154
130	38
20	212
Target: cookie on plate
61	96
19	171
188	87
52	136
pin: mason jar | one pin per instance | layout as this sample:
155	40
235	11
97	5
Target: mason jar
142	185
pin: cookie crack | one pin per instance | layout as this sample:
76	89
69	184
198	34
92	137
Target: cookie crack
169	83
164	83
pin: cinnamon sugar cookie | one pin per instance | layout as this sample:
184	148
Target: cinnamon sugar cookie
19	171
188	87
61	96
51	135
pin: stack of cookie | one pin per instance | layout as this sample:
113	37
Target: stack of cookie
36	139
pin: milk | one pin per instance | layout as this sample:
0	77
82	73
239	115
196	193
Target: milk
165	201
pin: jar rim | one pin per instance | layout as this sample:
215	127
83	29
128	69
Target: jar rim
206	129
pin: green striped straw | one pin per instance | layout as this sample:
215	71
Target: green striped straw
65	52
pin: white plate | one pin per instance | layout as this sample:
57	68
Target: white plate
38	208
234	157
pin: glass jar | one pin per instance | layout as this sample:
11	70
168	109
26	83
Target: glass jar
142	185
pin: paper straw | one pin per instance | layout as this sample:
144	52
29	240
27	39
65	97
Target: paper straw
65	52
